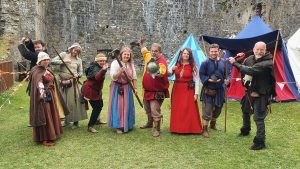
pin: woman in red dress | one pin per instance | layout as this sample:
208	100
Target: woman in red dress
185	117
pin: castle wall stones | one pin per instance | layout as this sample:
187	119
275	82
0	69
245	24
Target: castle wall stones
106	24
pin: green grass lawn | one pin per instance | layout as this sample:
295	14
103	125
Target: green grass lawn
138	149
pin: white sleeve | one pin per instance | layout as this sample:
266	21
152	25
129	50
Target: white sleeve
114	67
196	79
41	87
134	72
170	71
56	60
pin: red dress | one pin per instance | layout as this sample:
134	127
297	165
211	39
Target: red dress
185	117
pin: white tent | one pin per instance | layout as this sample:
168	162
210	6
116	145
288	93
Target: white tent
293	47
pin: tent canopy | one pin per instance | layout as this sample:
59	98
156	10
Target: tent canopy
198	55
256	30
246	44
255	27
293	47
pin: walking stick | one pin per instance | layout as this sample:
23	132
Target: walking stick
129	81
225	113
66	65
274	57
75	79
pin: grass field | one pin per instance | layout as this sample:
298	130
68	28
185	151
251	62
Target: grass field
138	149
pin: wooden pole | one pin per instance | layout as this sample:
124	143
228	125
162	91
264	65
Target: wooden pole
204	45
274	55
225	110
276	45
129	82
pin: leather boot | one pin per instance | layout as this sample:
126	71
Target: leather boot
213	123
156	129
244	132
204	128
258	144
99	121
205	132
149	123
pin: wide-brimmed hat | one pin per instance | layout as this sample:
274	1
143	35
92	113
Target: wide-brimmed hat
42	56
100	57
75	45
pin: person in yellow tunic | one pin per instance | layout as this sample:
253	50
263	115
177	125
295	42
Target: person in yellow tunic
155	87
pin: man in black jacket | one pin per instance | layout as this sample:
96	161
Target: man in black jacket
30	50
259	80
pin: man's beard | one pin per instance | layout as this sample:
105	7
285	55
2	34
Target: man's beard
259	56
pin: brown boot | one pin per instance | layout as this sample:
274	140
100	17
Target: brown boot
205	132
99	121
213	125
156	129
149	123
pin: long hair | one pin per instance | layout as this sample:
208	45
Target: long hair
191	58
130	61
126	49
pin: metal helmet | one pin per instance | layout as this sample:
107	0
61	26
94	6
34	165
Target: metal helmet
152	68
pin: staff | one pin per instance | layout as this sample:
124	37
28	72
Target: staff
76	80
226	93
128	80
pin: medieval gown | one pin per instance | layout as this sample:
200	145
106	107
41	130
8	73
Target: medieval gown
121	110
72	94
44	115
185	117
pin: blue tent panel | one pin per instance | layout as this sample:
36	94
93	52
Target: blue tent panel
254	28
245	44
198	55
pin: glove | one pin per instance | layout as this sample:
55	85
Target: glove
247	80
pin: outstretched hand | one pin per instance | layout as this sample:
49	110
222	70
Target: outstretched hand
231	60
23	40
195	97
105	66
142	42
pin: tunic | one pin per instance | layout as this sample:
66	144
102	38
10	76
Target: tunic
217	68
72	94
121	110
185	117
44	116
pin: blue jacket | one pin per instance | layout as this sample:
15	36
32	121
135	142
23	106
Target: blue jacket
211	69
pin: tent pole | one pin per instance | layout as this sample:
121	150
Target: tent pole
276	45
275	50
204	45
226	93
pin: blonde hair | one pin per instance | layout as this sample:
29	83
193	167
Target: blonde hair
100	56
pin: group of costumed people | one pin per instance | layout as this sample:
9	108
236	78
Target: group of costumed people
58	96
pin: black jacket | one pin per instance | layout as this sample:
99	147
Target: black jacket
28	52
262	71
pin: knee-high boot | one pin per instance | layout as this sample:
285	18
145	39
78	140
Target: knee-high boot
213	125
156	129
149	123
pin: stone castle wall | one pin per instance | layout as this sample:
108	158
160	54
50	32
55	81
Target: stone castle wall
106	24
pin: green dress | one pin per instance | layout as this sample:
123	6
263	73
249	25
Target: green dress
71	95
